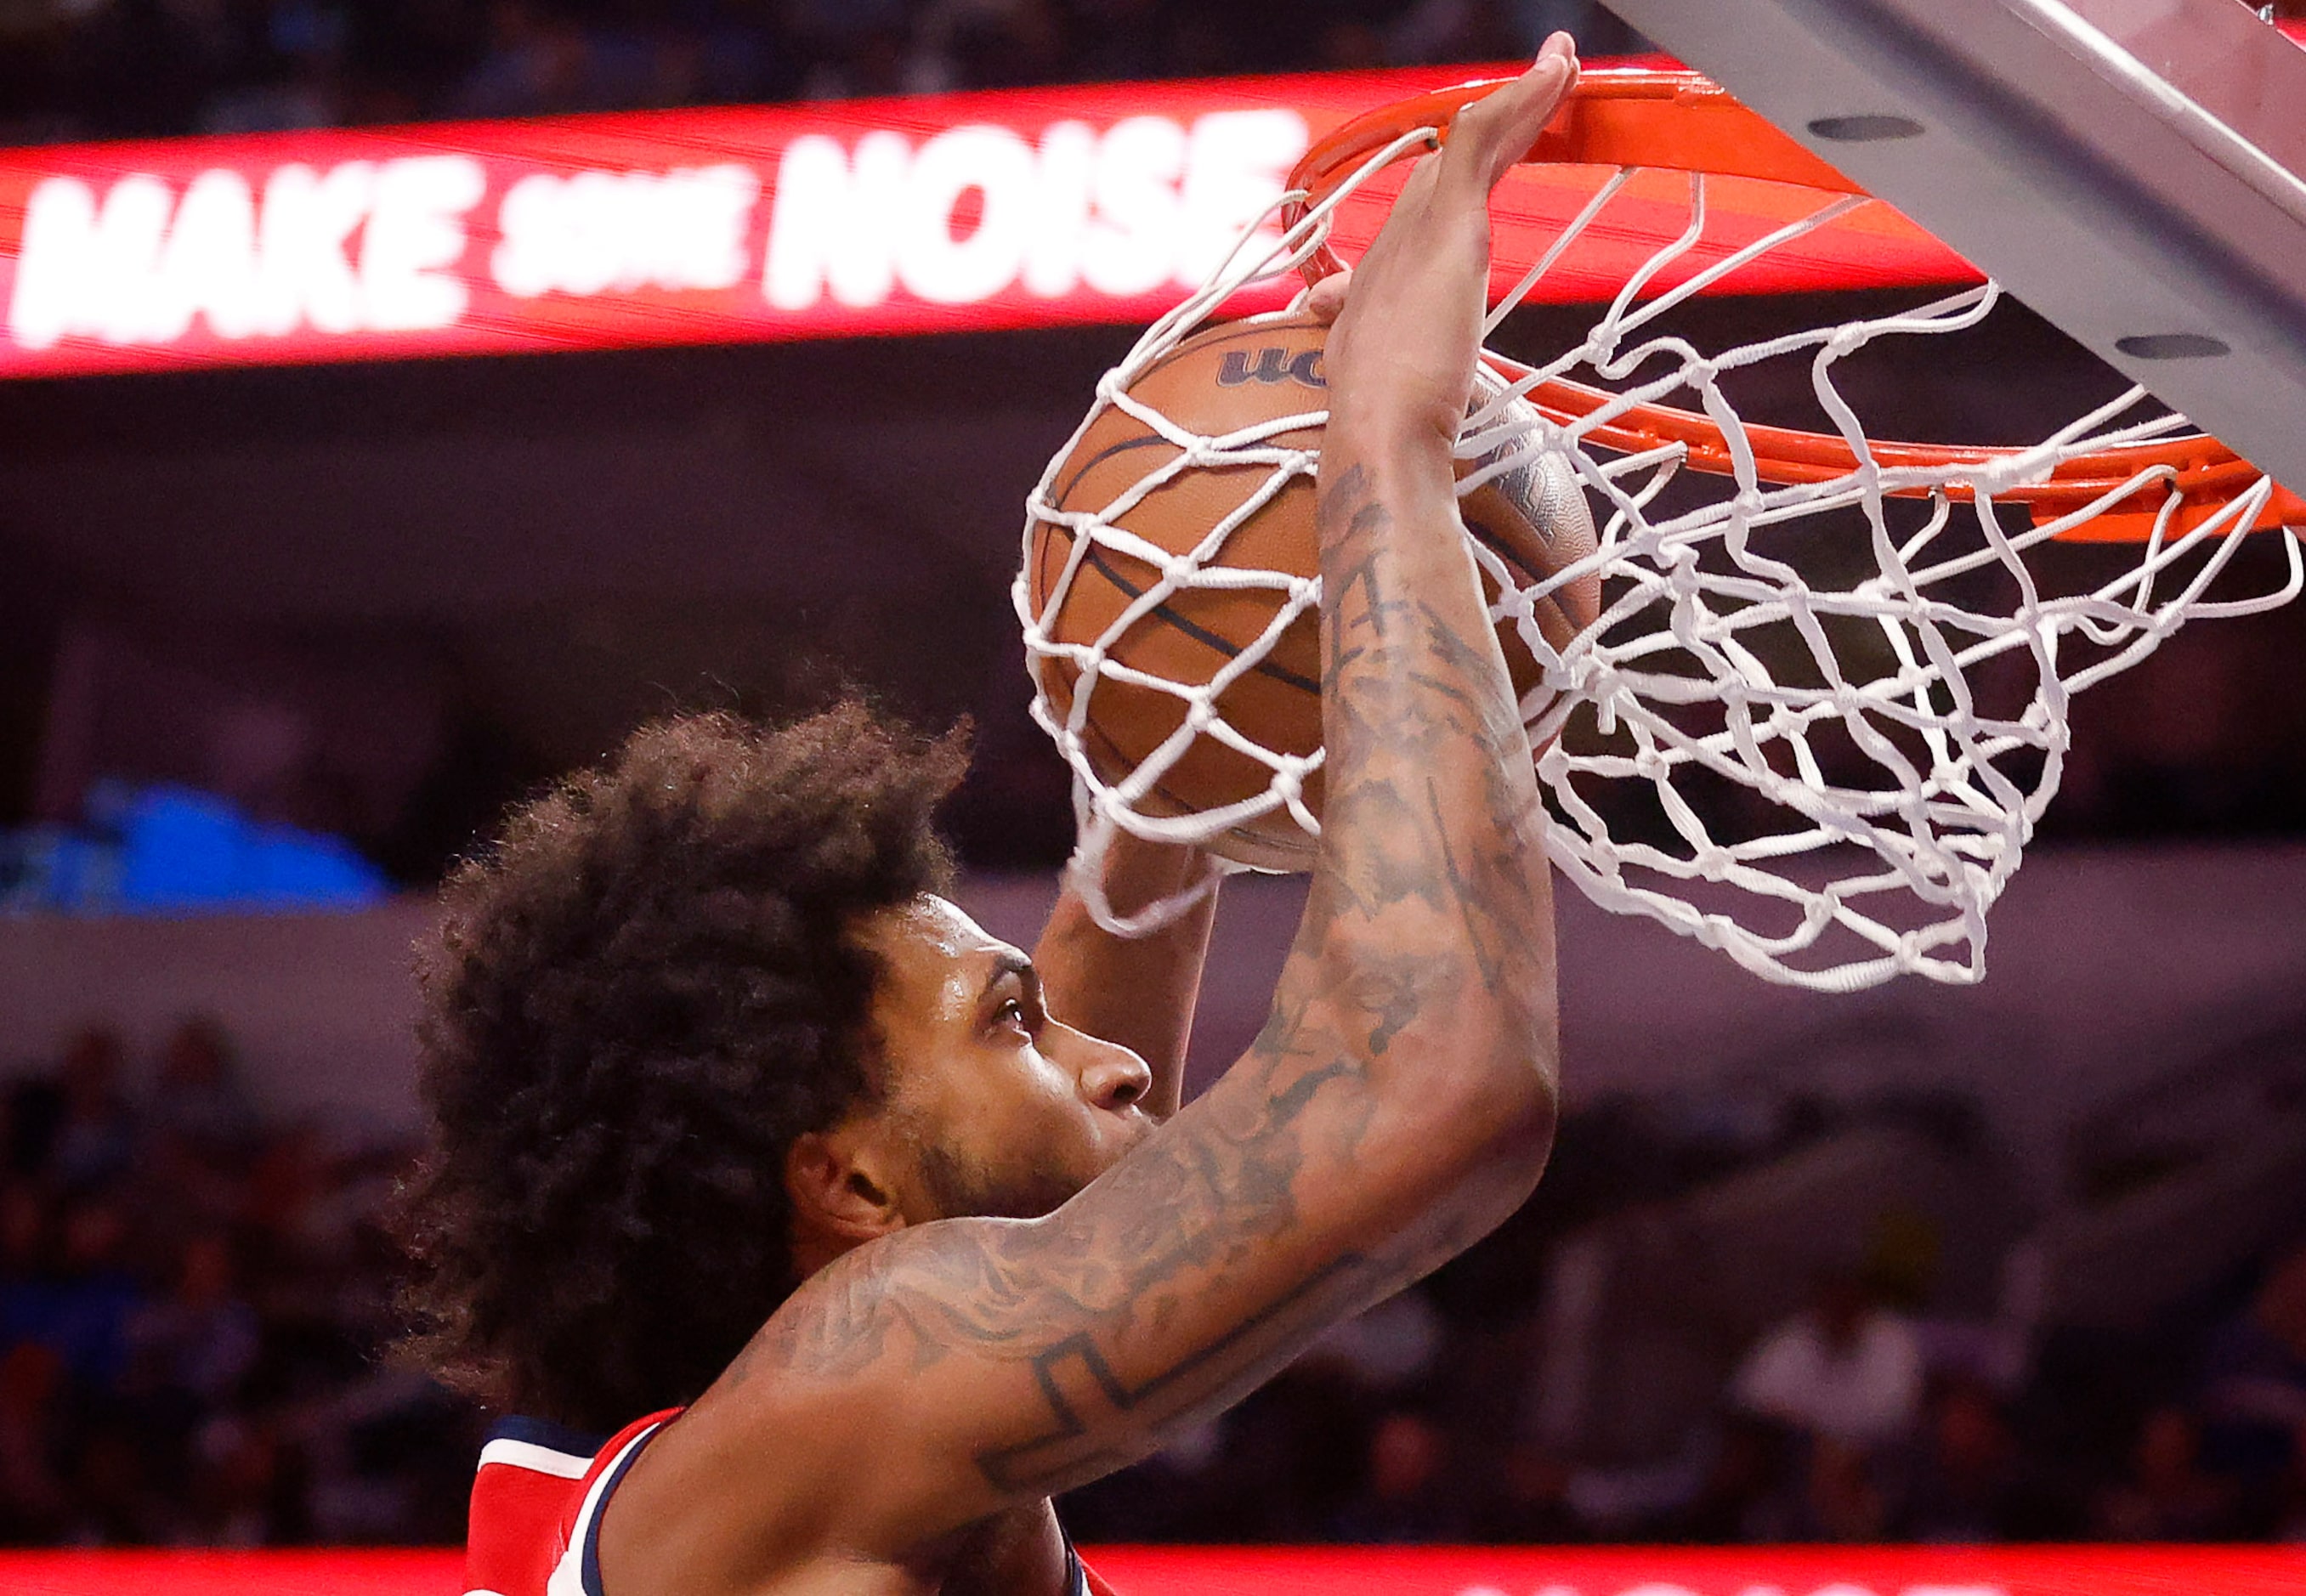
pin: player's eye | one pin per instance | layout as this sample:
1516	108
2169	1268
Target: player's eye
1013	1011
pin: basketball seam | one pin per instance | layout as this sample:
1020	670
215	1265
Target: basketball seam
1503	551
1065	492
1200	634
1252	830
1115	749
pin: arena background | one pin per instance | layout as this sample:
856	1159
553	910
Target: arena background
285	617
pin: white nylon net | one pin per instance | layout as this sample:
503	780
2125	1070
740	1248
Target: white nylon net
1815	724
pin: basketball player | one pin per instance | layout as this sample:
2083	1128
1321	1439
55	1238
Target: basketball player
864	1232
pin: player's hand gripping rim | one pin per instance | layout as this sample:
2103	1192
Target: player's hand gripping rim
1408	325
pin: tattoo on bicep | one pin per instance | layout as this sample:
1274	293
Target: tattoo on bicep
1095	1415
1098	1423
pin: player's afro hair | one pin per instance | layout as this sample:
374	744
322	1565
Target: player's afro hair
635	1001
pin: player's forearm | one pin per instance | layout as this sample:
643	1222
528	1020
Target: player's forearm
1433	877
1139	991
1433	888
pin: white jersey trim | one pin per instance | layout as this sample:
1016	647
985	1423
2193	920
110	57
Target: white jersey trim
541	1460
570	1576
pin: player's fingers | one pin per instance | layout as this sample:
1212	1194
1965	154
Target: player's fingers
1326	298
1505	121
1488	136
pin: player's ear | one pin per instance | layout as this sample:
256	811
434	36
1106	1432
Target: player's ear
841	1192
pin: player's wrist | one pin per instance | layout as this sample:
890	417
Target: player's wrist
1395	440
1399	403
1135	871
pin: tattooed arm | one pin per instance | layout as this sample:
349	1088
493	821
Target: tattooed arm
1398	1104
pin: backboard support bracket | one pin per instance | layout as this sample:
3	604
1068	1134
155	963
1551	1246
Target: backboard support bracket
2134	170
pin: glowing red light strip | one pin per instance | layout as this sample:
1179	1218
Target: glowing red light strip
1333	1571
969	211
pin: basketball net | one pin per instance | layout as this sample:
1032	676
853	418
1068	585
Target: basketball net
1816	722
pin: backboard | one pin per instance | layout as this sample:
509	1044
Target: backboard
2134	170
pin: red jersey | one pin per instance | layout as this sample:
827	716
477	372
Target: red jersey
536	1509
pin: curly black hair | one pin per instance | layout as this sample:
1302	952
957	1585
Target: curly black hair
636	999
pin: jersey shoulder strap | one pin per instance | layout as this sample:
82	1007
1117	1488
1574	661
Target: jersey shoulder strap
536	1506
537	1499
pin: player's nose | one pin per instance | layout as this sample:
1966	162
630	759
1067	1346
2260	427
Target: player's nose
1112	1077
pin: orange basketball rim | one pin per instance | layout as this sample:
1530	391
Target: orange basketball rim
1677	121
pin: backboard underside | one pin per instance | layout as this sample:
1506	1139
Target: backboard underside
2134	170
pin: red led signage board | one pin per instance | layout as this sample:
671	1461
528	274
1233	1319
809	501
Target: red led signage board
950	212
1328	1571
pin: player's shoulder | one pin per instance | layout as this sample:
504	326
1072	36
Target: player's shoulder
536	1501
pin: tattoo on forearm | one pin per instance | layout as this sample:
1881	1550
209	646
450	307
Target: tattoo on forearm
1409	692
1086	1397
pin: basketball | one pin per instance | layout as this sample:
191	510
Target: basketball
1263	370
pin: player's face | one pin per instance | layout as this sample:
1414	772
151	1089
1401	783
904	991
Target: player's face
1001	1111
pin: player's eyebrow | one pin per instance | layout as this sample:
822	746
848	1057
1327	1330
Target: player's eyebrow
1006	963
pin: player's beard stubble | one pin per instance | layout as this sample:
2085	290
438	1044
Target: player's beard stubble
963	1187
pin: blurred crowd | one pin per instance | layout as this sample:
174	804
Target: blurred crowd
192	1302
195	1305
1849	1423
93	69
